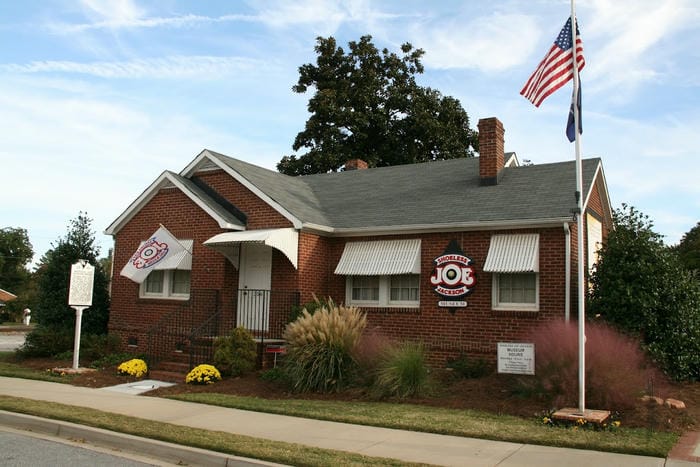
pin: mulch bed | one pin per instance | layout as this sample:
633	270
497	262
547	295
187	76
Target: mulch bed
488	394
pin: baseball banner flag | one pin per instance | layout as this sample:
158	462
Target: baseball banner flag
160	246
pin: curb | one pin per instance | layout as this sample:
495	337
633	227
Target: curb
175	453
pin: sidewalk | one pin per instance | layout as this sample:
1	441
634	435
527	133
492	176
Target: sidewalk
371	441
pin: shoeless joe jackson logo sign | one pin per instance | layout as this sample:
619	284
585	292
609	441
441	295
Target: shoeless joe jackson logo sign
453	277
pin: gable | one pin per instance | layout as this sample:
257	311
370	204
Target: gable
169	180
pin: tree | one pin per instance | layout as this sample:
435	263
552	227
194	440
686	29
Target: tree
15	253
689	249
54	280
641	287
367	105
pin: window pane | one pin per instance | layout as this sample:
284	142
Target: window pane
517	288
365	288
154	282
181	282
404	288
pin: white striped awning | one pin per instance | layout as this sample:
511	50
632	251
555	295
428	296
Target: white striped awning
383	257
513	253
284	240
182	260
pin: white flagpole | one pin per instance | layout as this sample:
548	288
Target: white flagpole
579	228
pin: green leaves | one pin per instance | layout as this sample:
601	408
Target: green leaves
640	286
367	105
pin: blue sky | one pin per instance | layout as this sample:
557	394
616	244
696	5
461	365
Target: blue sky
97	98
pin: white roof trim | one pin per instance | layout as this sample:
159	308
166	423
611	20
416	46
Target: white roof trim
284	240
378	258
513	253
191	168
163	181
607	215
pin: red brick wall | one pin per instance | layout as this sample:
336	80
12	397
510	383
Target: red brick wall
131	316
475	329
260	214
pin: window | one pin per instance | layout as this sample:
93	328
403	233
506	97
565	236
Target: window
383	291
167	283
404	288
516	291
513	260
365	288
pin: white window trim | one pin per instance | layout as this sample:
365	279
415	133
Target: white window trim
511	306
167	284
384	296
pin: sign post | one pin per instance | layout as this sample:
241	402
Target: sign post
82	277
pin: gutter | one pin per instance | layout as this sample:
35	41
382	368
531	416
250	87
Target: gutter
427	228
567	273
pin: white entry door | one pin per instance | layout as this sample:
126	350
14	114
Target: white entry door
254	286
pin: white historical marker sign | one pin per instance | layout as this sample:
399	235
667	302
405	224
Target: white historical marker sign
516	358
82	278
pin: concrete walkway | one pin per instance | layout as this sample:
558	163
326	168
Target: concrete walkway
381	442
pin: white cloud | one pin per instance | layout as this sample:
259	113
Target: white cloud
193	67
118	11
489	43
631	36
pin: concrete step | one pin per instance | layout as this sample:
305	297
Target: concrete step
173	366
167	376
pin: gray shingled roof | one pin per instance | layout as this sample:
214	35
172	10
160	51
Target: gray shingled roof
442	192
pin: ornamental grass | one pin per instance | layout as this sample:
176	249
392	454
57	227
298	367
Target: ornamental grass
321	346
134	367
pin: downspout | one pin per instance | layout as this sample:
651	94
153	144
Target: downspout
567	273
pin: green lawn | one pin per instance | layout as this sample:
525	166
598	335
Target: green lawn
409	417
467	423
238	445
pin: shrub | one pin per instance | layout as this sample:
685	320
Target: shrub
367	354
235	354
402	371
112	359
134	367
96	346
640	286
46	342
320	347
617	372
203	374
466	367
311	307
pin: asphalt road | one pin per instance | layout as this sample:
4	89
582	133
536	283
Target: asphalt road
23	449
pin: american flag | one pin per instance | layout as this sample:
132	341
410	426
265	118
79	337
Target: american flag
556	68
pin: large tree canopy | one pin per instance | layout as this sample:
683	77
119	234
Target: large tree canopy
367	105
15	253
689	249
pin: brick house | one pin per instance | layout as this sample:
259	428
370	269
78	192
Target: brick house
459	254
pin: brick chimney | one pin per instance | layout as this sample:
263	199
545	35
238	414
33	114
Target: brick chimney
491	155
355	164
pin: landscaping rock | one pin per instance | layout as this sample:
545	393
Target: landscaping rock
675	404
658	400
